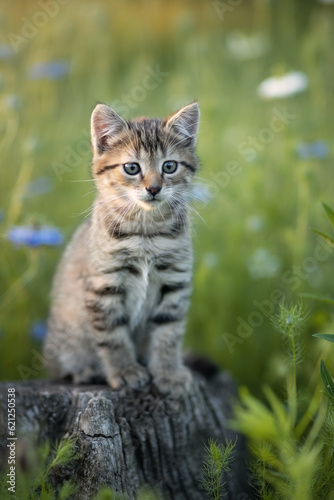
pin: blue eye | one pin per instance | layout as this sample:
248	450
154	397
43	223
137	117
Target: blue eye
131	168
169	167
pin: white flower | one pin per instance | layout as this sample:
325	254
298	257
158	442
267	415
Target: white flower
288	85
244	48
254	223
263	264
13	101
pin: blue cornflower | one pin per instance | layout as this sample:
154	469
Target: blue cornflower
317	150
1	215
32	237
41	185
53	70
38	330
6	51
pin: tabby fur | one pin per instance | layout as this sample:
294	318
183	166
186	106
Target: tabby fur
121	292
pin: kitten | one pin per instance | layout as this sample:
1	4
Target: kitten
121	292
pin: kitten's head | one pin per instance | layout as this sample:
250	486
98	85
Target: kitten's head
144	163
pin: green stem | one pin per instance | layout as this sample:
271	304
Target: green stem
22	282
309	414
16	204
293	397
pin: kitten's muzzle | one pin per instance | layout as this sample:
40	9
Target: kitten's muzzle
153	190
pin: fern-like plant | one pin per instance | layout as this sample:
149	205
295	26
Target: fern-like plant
287	444
33	472
216	464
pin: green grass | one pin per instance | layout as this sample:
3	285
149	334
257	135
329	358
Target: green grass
259	221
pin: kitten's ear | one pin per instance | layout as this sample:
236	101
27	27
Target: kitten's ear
105	123
186	121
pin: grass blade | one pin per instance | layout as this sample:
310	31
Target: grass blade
320	298
327	238
327	380
324	336
329	213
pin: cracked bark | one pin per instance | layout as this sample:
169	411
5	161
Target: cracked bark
128	439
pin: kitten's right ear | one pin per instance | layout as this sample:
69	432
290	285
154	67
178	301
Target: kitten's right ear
105	123
186	121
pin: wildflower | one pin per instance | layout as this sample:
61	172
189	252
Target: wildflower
38	330
32	237
210	259
244	48
201	193
263	264
317	150
32	144
41	185
254	223
287	85
6	51
1	215
53	70
13	101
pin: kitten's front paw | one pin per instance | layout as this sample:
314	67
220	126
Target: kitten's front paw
176	385
134	375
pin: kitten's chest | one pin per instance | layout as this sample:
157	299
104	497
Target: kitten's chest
143	290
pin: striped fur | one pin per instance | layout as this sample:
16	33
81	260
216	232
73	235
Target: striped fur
122	289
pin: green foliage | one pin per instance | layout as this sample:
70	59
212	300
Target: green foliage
329	212
34	469
325	237
327	380
108	494
324	336
291	444
320	298
218	458
289	323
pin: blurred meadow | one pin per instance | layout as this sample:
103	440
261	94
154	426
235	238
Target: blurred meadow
266	153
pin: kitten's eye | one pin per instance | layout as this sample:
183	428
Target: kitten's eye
169	167
131	168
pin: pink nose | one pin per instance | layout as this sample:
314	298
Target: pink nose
153	190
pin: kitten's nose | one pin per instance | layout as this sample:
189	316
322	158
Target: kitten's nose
153	190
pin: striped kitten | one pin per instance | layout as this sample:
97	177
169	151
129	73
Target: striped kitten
122	289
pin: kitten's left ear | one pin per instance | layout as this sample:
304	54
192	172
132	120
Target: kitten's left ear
186	121
105	124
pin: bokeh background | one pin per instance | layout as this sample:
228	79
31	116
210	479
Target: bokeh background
266	152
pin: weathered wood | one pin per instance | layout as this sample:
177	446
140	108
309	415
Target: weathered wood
127	439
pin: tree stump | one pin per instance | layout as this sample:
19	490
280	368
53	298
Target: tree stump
128	439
